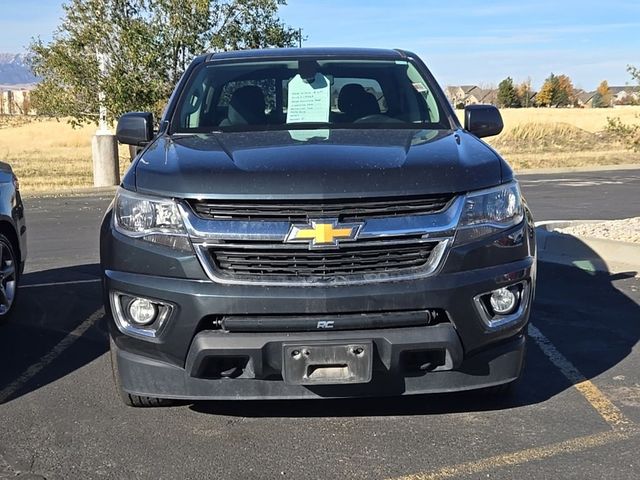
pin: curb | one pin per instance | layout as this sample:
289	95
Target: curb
593	254
72	192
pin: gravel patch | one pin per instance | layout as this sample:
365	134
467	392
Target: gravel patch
625	230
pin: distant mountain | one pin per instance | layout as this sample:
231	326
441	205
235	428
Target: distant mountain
14	71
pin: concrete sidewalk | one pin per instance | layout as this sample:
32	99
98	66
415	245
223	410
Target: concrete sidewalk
593	254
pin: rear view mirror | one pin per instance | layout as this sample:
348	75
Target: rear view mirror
135	128
483	120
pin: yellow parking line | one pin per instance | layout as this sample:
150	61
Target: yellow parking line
524	456
600	403
621	427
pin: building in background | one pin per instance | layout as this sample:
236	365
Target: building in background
462	95
16	102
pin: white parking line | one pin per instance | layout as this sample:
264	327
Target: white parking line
55	352
53	284
546	180
577	182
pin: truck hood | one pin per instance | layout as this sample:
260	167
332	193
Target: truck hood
316	164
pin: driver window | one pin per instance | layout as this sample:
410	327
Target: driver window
424	93
192	114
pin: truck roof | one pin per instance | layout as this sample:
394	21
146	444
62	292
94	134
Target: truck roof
306	52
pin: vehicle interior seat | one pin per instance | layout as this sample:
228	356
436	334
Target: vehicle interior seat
355	102
246	107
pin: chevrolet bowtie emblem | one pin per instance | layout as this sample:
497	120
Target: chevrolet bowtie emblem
323	233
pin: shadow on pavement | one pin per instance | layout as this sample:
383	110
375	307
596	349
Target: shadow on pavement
44	316
64	274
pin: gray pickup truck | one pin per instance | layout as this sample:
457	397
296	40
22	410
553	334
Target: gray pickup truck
315	223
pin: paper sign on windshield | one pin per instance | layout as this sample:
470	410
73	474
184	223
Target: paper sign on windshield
308	101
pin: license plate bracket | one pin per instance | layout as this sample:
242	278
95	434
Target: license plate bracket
327	363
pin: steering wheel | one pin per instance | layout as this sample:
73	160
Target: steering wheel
377	118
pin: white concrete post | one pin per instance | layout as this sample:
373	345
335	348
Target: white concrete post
106	168
104	146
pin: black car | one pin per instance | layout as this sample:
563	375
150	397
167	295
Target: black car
314	223
13	240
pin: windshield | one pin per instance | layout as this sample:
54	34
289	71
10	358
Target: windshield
298	94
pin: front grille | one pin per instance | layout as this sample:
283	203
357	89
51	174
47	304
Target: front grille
355	259
301	210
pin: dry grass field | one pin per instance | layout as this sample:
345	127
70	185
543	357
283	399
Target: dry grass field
48	155
592	120
563	137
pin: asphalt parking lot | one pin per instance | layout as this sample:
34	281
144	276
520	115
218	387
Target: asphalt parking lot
574	415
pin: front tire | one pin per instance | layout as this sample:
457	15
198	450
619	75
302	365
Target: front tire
130	399
9	275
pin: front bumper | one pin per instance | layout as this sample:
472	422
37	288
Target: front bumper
500	364
174	365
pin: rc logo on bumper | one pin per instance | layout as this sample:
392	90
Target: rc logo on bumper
325	233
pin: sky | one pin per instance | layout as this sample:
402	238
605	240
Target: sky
462	41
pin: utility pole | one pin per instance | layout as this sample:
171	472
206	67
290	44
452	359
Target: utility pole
104	146
102	122
299	38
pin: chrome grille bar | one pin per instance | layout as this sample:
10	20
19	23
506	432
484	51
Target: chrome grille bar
393	248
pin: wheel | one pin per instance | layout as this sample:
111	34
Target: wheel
8	278
129	399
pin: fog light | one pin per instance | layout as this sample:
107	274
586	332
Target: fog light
142	311
503	301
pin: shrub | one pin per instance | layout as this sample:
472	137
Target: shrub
628	134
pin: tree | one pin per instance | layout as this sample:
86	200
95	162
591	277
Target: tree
603	88
565	93
544	97
147	45
597	101
557	91
603	95
628	133
507	95
524	93
243	24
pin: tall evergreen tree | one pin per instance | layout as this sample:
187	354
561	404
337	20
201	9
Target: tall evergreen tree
507	94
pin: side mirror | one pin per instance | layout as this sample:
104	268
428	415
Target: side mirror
135	128
483	120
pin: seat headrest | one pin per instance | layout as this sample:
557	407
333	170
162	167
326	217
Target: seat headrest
356	102
247	106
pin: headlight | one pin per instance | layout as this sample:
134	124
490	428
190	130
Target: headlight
152	219
486	212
